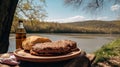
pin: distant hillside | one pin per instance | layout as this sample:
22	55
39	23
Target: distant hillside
92	26
94	23
98	26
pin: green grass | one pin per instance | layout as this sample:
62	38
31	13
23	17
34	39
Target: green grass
107	51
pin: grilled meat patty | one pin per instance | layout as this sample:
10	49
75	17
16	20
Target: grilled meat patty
53	48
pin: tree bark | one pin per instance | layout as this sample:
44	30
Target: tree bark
7	9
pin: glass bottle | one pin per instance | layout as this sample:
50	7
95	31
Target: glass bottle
20	34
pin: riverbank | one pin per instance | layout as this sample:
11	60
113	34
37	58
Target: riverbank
87	42
108	55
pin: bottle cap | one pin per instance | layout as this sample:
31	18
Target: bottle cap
20	20
20	24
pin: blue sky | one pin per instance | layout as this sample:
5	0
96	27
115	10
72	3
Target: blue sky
59	12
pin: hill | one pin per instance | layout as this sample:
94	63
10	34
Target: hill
98	26
92	26
95	23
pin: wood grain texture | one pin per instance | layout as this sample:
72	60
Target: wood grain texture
81	61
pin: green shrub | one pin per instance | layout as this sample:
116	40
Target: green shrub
110	50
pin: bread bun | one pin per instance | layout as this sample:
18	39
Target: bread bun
32	40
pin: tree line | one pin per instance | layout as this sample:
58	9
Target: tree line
35	26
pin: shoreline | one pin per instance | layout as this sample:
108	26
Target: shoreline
84	41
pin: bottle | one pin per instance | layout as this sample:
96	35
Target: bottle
20	34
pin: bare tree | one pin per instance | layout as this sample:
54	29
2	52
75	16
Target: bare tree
93	7
31	9
90	4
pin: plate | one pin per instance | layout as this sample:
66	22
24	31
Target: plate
24	56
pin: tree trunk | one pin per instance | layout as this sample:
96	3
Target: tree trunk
7	9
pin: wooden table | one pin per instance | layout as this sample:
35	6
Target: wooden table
84	60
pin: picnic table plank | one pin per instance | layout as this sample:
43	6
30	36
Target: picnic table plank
84	60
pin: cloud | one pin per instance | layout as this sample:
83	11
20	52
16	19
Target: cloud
115	7
76	18
102	18
70	19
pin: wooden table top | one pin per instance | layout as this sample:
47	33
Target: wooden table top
84	60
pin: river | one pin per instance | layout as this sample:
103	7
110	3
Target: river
86	42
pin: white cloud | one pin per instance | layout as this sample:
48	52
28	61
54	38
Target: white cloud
115	7
76	18
101	18
70	19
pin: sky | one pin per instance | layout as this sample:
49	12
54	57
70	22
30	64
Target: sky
59	12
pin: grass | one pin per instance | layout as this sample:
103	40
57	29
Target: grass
107	51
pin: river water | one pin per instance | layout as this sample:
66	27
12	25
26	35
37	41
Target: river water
86	42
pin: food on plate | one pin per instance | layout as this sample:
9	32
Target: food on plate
53	48
32	40
6	55
37	45
21	53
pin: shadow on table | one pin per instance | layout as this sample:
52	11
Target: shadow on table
81	61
